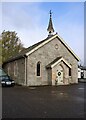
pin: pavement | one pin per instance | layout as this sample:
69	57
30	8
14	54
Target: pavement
44	102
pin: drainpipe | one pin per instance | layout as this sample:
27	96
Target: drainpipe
25	69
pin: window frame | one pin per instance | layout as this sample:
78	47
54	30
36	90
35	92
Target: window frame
70	72
15	68
38	63
8	69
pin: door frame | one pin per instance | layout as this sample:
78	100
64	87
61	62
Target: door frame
60	71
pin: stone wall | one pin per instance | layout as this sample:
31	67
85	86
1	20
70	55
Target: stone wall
46	54
66	77
19	73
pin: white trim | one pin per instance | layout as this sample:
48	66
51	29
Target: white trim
62	59
48	40
68	47
45	42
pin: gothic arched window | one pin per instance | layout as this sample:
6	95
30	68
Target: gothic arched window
38	69
15	68
69	71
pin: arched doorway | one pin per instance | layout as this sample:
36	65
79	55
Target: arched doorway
59	75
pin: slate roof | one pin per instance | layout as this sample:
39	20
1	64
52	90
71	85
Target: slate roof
49	65
23	52
26	50
82	67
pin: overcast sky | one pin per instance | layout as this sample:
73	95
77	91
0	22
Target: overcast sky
30	21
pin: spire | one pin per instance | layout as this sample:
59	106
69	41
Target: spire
50	28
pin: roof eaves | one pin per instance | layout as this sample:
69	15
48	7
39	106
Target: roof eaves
68	47
82	67
40	44
13	59
50	64
56	61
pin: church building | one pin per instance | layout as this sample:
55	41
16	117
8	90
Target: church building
48	62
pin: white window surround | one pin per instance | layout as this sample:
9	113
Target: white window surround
40	69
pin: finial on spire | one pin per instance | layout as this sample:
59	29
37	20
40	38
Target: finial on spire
50	13
50	28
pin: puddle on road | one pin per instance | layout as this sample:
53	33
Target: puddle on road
81	88
32	88
64	95
61	93
53	92
79	99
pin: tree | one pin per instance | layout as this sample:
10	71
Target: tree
10	44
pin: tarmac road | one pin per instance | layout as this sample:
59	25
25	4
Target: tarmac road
44	102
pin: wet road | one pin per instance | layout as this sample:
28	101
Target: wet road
44	102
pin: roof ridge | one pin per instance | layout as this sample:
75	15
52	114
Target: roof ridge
22	53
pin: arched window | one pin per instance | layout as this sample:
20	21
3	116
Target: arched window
8	69
69	71
38	69
15	68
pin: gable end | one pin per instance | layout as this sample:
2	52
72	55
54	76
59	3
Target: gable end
48	40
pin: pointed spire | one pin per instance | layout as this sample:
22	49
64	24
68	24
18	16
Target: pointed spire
50	28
